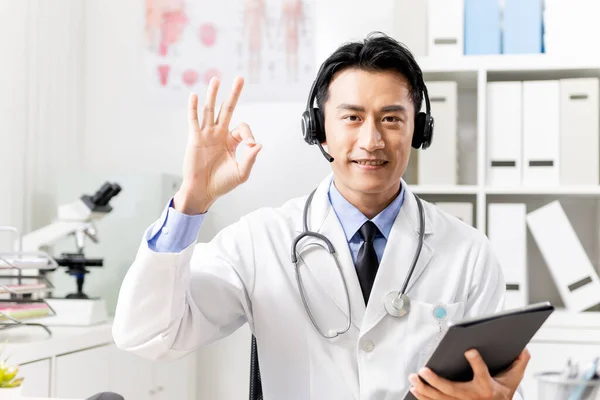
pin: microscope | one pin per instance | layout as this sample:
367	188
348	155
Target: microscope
75	220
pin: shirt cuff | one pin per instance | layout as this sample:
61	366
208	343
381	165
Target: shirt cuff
174	231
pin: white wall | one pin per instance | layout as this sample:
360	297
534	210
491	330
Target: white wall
13	119
41	107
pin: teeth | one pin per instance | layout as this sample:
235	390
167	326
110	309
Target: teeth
370	162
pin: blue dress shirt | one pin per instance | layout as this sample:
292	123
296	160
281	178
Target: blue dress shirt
351	220
175	231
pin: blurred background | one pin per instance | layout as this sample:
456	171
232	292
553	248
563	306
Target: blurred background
94	91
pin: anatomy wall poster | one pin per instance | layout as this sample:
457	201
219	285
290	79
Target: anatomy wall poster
268	42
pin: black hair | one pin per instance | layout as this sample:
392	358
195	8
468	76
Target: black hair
377	52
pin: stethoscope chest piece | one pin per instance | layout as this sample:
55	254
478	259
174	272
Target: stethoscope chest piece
397	306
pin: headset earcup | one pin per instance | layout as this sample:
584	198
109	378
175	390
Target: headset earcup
307	131
319	125
418	134
428	132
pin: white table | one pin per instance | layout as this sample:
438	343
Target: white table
45	398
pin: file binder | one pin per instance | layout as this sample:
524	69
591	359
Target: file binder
445	27
507	231
410	25
438	164
579	132
482	27
541	131
571	269
504	133
522	26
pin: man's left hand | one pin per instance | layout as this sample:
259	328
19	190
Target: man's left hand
482	387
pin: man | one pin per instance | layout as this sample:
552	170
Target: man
178	295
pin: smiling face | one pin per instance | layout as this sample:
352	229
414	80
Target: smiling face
369	122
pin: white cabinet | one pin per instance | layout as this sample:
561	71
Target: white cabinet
175	380
134	377
37	378
79	362
130	375
82	374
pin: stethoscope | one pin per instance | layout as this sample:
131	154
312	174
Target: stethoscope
396	304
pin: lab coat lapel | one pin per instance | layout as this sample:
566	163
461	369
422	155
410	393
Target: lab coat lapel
323	220
397	258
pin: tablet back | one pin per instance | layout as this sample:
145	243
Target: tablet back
499	338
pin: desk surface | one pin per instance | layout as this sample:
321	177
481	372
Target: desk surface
27	344
45	398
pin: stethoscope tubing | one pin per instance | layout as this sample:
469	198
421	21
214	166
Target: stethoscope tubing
331	249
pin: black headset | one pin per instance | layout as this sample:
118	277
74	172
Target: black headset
313	127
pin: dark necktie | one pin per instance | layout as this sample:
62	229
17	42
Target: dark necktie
366	262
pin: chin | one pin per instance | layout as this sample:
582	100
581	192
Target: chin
368	181
371	184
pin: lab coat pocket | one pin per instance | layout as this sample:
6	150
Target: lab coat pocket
427	323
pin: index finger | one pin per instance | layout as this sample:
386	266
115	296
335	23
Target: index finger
443	385
520	364
479	367
193	110
227	108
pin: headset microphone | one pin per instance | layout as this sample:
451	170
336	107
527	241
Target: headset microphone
325	154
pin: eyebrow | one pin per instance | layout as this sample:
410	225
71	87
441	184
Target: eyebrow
354	107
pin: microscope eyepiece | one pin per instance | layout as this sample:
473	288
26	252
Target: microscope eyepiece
106	193
99	201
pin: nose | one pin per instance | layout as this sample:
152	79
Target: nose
370	138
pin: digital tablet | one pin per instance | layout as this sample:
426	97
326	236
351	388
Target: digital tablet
500	338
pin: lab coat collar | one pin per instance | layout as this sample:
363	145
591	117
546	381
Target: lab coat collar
394	265
397	259
320	207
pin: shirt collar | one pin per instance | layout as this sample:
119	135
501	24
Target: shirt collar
352	219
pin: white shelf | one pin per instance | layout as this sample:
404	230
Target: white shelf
507	67
545	190
442	189
508	63
509	190
563	318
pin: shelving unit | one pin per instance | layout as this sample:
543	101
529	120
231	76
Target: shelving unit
23	295
565	334
458	189
582	203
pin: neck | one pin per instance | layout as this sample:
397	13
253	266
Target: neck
369	204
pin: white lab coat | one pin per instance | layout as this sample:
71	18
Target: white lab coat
171	303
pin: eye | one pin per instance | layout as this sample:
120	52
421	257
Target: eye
352	118
391	118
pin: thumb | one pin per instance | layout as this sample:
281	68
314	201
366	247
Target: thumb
519	365
247	161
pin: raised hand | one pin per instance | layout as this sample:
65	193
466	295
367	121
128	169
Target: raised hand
210	168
